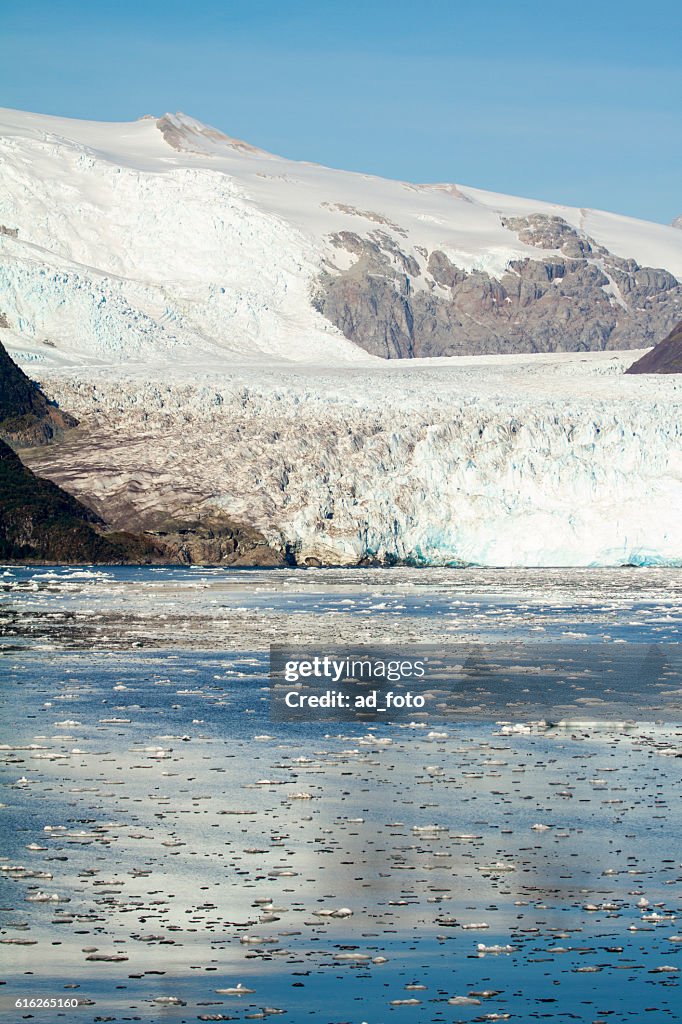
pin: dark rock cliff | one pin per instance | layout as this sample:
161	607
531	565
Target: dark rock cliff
666	357
27	417
41	522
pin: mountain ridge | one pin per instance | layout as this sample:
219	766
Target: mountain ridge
164	238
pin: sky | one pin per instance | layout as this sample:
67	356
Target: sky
573	102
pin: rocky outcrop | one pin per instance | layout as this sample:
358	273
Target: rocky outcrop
577	296
666	357
41	522
38	520
27	416
216	539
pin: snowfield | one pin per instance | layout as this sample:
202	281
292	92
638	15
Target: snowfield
122	241
156	279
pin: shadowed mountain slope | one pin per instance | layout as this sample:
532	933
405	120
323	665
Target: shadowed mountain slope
666	357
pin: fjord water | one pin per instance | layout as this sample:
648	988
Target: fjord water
170	852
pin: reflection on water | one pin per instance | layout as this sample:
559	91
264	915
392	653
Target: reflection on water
170	852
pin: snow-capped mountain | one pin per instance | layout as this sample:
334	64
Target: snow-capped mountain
165	237
212	314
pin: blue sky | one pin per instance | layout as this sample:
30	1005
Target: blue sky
575	102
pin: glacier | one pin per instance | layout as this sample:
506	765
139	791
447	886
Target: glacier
156	278
492	461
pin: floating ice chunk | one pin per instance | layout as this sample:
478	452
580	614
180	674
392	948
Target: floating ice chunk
341	912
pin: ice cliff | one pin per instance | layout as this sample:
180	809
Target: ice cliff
547	461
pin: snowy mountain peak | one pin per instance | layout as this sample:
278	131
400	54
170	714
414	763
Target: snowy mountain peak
167	239
187	135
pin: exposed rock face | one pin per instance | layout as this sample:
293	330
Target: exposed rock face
666	357
216	539
41	522
38	520
27	417
187	135
577	296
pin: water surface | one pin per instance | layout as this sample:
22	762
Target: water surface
164	839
